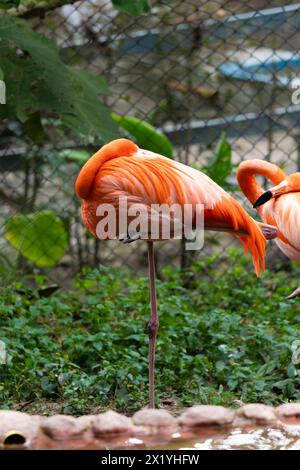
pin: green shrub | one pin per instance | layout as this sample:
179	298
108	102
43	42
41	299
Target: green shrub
87	347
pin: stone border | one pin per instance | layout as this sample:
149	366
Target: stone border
144	429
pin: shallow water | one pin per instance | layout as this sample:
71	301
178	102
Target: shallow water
285	438
281	437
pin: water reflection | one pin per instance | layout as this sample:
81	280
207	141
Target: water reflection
285	438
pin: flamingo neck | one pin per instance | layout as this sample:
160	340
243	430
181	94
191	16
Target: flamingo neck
247	180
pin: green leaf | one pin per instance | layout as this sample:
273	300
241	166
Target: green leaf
91	117
291	371
41	238
78	155
93	83
134	7
266	369
146	135
37	80
220	166
34	128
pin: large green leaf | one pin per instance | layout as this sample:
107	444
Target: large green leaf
134	7
36	77
37	80
89	115
220	166
93	83
146	135
42	238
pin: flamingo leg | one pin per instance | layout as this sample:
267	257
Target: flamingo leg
154	323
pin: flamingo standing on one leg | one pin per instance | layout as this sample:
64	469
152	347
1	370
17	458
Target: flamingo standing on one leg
121	170
279	206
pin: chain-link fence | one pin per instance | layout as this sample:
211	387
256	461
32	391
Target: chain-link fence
197	70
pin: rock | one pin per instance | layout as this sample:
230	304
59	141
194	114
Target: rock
111	423
257	412
288	410
86	421
203	415
64	427
151	417
17	429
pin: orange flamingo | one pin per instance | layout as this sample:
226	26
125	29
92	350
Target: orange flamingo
279	206
121	170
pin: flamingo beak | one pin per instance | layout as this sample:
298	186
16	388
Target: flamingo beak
282	188
265	197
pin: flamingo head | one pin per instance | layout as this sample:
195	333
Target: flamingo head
288	185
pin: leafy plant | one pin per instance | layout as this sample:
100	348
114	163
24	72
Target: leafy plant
38	81
45	98
86	347
42	238
146	135
143	133
220	165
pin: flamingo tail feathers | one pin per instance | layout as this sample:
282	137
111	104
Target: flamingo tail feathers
254	240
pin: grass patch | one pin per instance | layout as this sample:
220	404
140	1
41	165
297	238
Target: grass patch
85	348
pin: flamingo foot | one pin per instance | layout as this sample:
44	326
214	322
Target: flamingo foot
294	294
269	231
